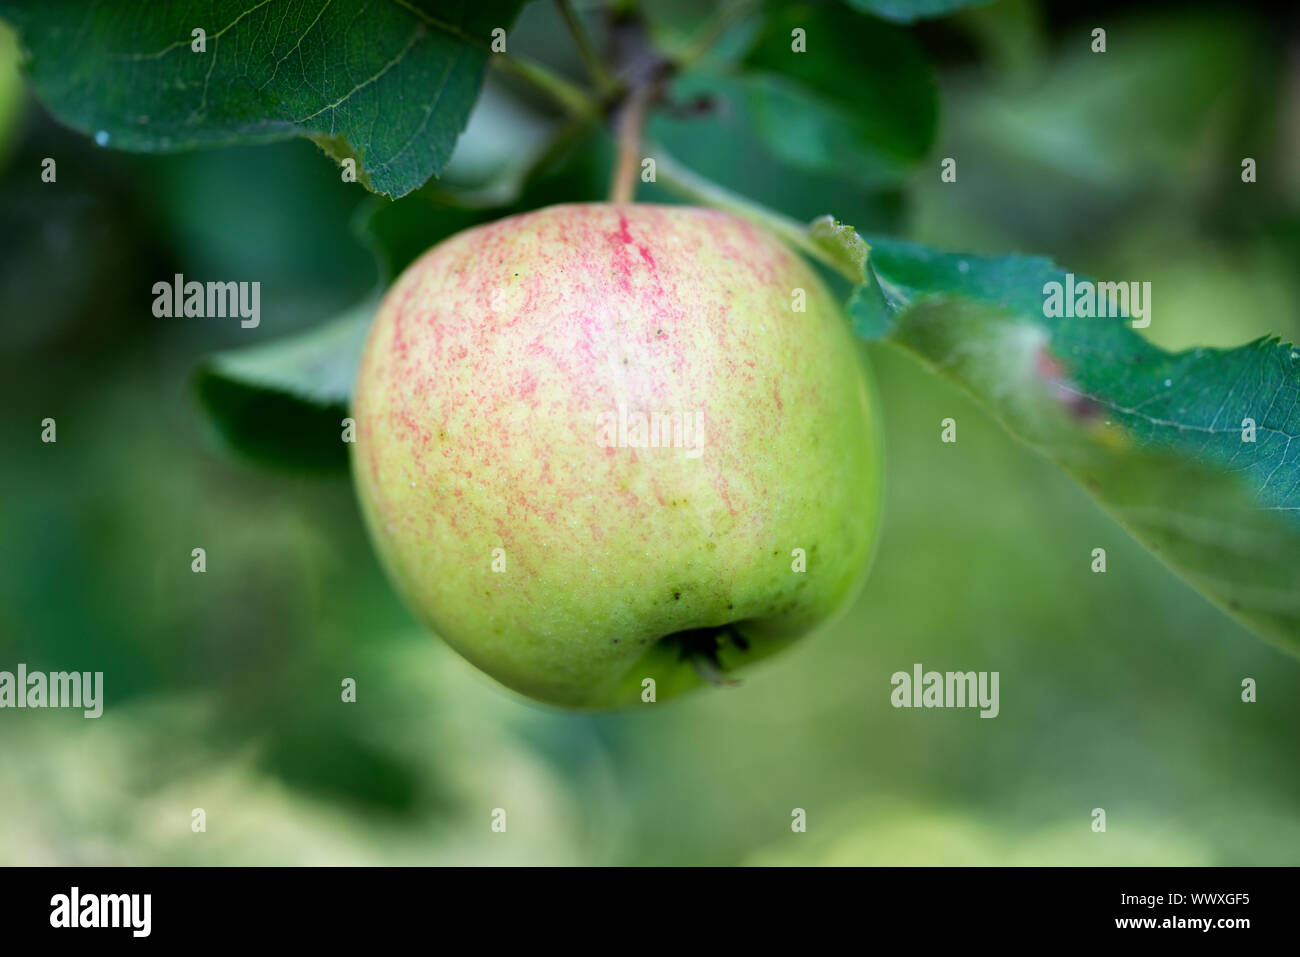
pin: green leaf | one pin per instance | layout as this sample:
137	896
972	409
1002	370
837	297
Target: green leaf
860	102
842	244
906	11
390	84
282	403
1155	437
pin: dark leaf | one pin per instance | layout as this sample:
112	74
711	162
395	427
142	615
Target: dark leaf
390	84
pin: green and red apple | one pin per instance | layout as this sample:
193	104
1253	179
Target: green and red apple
604	443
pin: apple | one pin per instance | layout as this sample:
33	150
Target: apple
611	451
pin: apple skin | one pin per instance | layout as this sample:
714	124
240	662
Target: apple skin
483	407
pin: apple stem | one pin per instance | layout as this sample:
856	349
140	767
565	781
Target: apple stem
631	117
700	647
642	70
708	669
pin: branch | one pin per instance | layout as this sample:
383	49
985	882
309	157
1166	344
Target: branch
596	69
708	35
575	100
694	187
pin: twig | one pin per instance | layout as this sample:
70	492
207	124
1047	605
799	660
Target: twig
596	69
709	34
575	100
695	187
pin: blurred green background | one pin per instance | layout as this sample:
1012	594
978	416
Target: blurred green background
1119	691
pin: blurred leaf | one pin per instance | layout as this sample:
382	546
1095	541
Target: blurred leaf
1078	147
905	11
892	833
282	403
333	761
1155	437
1079	124
861	102
724	145
391	84
11	88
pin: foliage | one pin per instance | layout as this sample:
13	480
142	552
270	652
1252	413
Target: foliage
1113	668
